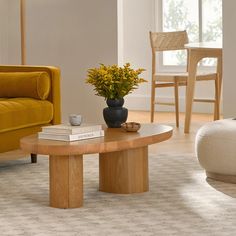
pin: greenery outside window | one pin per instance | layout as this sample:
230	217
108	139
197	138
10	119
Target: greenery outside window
201	18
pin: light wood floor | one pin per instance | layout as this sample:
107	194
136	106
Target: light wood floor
179	143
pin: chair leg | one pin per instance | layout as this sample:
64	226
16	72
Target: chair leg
152	102
176	88
217	100
33	158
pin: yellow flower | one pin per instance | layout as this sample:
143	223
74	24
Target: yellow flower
113	82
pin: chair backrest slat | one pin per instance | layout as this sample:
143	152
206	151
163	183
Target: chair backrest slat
165	41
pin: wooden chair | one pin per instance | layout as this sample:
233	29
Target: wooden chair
169	41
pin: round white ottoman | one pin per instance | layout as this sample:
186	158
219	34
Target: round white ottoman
216	149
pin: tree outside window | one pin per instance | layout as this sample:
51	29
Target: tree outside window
201	18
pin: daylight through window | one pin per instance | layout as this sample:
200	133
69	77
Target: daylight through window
201	18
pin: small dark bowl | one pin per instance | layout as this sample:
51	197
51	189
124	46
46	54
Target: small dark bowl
131	126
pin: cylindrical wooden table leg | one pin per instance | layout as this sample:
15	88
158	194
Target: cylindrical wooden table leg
124	171
66	181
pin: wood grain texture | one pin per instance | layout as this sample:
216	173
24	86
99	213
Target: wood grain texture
178	143
165	41
127	170
66	181
196	53
124	171
115	139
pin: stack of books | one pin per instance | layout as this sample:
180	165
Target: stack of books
64	132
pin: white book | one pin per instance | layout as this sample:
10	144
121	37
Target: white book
69	129
71	137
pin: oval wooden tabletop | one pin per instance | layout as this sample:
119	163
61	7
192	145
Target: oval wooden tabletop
115	139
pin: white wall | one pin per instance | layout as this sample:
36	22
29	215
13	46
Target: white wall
14	43
77	34
138	19
73	35
9	32
4	31
229	45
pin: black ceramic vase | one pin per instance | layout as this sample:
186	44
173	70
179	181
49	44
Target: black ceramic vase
114	115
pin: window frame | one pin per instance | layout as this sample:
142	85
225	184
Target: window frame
159	27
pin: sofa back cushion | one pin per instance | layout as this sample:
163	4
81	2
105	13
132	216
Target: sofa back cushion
24	84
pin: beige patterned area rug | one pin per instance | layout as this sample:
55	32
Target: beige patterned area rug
180	202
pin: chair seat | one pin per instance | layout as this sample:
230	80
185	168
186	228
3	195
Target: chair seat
183	76
16	113
172	41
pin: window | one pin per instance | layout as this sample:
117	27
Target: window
201	18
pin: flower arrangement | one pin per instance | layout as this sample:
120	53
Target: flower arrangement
113	82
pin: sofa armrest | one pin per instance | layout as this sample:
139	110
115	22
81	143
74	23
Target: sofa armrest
54	94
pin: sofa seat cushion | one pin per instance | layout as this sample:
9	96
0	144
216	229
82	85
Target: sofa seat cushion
16	113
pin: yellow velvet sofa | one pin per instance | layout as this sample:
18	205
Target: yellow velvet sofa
29	99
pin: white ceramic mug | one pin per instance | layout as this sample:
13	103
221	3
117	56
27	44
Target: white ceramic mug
75	119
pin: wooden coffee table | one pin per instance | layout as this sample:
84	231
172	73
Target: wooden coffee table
123	162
